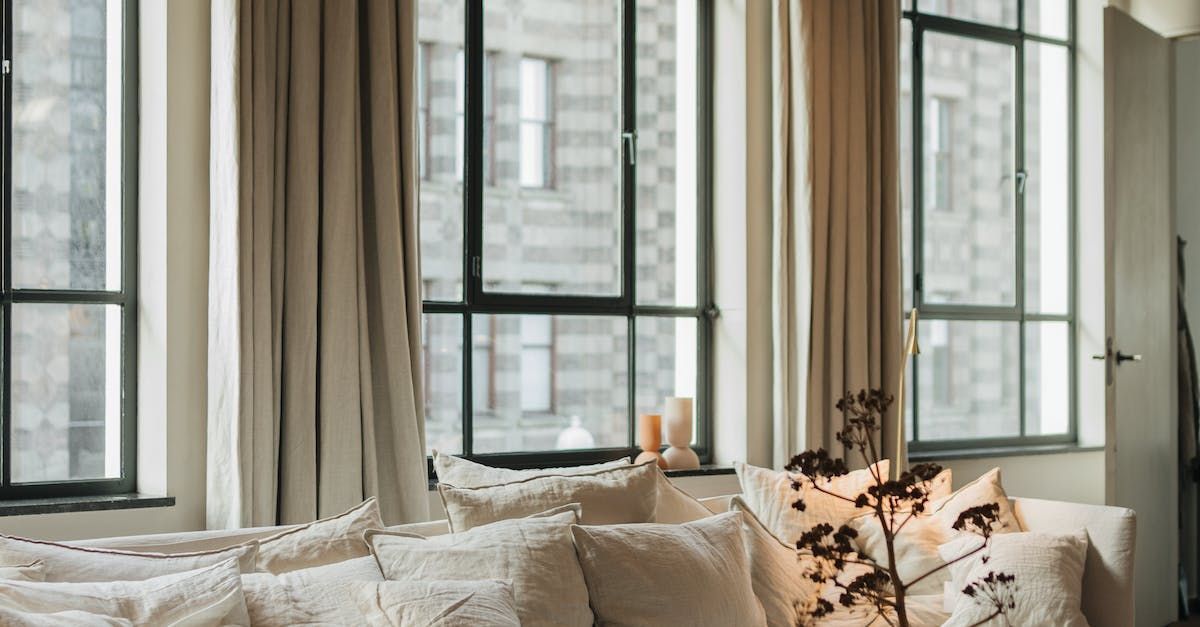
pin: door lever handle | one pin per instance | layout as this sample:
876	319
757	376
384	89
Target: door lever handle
1123	357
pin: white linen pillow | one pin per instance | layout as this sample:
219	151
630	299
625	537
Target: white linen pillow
651	574
535	553
69	618
608	496
483	603
205	596
63	562
987	488
770	495
674	505
326	541
1048	590
323	594
776	572
29	571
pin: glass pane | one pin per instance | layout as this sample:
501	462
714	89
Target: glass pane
1050	18
906	163
1047	378
666	362
1047	194
440	30
667	103
441	348
66	392
66	145
968	383
552	218
549	382
969	213
994	12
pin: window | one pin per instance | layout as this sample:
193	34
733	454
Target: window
67	290
986	145
566	290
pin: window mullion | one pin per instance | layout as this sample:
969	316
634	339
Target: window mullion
6	255
628	202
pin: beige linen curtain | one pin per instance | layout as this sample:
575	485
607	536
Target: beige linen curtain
315	309
836	214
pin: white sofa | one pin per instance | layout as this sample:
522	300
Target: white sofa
1107	579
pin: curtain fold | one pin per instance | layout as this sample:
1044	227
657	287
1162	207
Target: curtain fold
314	340
836	266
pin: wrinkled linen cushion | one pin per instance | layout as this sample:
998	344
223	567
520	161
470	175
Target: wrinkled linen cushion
652	574
674	505
776	572
1048	590
325	541
923	611
205	596
483	603
320	595
29	571
770	495
62	562
985	489
608	496
69	618
535	553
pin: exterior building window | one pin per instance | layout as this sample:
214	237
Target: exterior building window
566	285
423	110
67	301
988	212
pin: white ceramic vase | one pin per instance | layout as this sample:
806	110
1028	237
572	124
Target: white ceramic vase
677	418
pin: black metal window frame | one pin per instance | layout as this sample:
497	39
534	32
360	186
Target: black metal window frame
477	300
1017	38
126	297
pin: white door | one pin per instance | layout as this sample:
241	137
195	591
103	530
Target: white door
1140	306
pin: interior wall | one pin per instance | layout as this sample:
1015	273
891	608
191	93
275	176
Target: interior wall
172	302
1076	475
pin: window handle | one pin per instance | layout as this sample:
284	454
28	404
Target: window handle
630	139
1021	176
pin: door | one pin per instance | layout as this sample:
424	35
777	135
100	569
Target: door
1140	460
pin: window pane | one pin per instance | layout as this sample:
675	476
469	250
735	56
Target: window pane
666	362
66	392
440	30
969	213
555	382
66	145
667	103
968	379
1047	196
1050	18
565	236
441	346
1047	378
906	162
994	12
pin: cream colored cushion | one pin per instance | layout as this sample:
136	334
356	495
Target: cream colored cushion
608	496
652	574
483	603
29	571
206	596
62	562
535	553
986	489
1048	568
69	618
770	495
776	572
325	541
923	611
322	594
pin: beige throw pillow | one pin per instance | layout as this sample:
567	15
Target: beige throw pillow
63	562
770	495
483	603
30	571
319	595
608	496
535	553
206	596
775	572
325	541
654	574
986	489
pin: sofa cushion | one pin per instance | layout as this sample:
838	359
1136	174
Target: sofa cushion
29	571
650	574
987	488
205	596
775	572
483	603
535	553
770	495
326	541
320	595
62	562
611	495
1048	571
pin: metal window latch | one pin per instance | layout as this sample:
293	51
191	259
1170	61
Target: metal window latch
1021	176
711	312
630	139
476	267
7	66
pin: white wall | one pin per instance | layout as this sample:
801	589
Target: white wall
1075	476
172	299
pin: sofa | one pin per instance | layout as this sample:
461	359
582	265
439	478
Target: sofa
1107	596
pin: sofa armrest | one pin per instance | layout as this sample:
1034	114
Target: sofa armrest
1108	572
